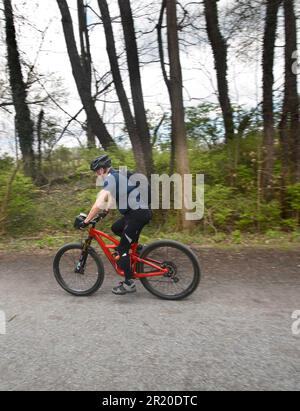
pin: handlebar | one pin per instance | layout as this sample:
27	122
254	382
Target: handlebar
92	223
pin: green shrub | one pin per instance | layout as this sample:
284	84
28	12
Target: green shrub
295	236
293	193
219	206
273	234
252	216
290	223
232	204
219	238
20	209
236	237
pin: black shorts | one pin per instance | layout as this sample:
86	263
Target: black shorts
129	227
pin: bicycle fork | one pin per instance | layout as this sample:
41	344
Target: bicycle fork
80	267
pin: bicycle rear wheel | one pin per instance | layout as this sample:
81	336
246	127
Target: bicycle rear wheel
184	272
65	268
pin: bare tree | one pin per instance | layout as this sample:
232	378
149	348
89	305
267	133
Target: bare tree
289	124
291	88
139	148
220	52
135	80
24	124
175	87
272	8
86	61
159	28
40	179
84	90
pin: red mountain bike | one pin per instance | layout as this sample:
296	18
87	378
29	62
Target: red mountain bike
167	269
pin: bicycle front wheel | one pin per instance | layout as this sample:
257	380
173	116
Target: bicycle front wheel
83	282
183	275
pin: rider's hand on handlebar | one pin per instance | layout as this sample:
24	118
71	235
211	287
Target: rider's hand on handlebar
79	223
82	225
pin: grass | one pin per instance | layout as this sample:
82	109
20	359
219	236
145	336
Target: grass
50	242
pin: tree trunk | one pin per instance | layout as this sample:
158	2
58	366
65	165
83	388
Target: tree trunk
39	137
268	104
40	179
219	47
289	126
24	125
86	58
86	61
159	29
179	134
139	149
135	80
285	163
83	88
292	89
91	142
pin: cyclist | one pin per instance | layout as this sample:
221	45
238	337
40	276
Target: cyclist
130	225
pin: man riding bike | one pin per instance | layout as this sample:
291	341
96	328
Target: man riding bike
130	225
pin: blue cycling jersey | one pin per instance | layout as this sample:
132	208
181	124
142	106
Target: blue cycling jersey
118	184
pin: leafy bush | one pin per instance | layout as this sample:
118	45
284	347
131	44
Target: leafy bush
218	206
232	202
293	193
253	216
236	237
17	202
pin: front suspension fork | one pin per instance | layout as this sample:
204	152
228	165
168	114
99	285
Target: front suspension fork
80	267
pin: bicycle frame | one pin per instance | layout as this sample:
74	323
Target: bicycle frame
99	236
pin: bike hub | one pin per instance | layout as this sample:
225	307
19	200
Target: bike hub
172	271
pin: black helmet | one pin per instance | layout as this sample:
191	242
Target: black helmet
101	162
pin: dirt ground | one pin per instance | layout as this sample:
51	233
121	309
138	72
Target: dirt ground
233	333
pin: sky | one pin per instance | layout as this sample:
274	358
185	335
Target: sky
198	69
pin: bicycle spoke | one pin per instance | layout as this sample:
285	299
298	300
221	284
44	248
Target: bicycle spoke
181	271
159	281
77	281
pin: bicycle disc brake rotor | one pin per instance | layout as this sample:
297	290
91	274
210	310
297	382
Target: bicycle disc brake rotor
172	270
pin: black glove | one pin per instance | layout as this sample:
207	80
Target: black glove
79	222
82	225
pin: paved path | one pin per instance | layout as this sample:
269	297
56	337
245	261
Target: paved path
233	333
